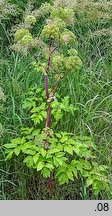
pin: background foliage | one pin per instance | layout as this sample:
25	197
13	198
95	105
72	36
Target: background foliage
90	91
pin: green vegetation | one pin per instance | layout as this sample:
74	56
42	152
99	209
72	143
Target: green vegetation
77	153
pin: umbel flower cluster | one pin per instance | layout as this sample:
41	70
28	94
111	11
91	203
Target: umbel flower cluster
55	32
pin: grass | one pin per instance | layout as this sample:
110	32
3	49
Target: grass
90	90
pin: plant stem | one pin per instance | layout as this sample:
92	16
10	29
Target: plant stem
49	180
47	88
50	185
48	116
47	96
57	85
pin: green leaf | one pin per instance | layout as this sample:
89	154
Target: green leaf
35	118
57	114
64	139
59	161
38	90
75	173
95	164
39	139
68	149
9	155
43	94
54	104
76	150
63	178
17	140
54	150
97	185
42	106
85	164
61	170
53	140
40	117
26	131
48	156
28	151
55	161
17	150
101	177
23	140
36	132
77	165
89	181
70	175
28	104
74	162
103	168
29	161
43	152
65	101
10	146
45	172
50	166
44	114
40	166
36	157
35	110
85	173
58	135
60	154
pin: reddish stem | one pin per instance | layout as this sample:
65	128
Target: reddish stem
57	85
49	181
48	116
49	108
50	185
46	86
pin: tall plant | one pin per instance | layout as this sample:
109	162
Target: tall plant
57	155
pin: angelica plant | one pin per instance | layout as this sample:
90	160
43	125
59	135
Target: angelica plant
56	155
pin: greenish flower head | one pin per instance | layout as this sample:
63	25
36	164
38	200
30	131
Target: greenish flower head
20	33
40	67
53	29
27	39
68	37
45	9
66	64
66	14
23	37
58	61
30	20
73	52
73	63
